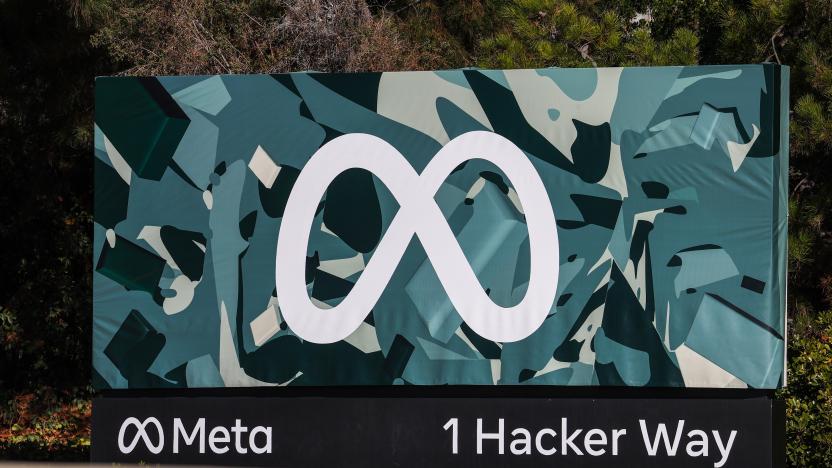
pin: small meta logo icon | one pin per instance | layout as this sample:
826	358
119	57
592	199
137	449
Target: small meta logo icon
419	215
219	439
141	434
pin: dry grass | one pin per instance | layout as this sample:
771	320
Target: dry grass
164	37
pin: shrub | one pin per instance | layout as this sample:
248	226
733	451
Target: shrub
46	425
808	395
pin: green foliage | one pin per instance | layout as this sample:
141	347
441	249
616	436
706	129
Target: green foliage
47	69
808	396
543	33
46	426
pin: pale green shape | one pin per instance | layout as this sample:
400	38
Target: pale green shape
568	271
633	365
582	374
456	77
556	377
635	108
704	130
681	83
686	193
497	76
577	83
410	99
202	372
422	370
98	139
225	243
619	245
197	152
209	96
436	352
701	267
736	344
675	134
660	126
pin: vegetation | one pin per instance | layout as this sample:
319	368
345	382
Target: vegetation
50	51
809	395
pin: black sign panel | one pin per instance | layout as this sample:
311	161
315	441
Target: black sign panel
426	432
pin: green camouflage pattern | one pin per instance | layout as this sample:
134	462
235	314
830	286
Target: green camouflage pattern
668	186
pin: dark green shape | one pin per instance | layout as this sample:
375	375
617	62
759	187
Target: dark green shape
312	264
132	267
507	119
111	195
98	381
596	299
182	247
397	357
134	347
568	351
220	169
141	120
608	375
591	151
626	322
352	210
526	374
487	348
329	133
455	120
753	284
273	200
247	225
360	88
570	224
655	189
337	363
177	375
701	247
495	179
286	80
563	299
768	142
596	210
640	234
676	260
329	286
276	361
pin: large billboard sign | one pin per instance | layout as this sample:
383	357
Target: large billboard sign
583	227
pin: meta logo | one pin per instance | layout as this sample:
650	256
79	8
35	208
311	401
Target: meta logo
219	439
419	215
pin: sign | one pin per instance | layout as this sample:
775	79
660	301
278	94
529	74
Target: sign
306	431
573	227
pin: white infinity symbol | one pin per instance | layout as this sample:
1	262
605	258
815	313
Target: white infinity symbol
419	215
141	433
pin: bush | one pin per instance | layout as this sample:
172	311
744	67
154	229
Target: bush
808	395
46	425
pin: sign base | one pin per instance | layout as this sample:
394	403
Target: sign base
438	431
